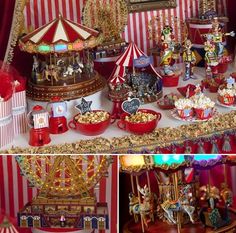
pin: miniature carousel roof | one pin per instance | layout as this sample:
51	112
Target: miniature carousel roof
7	227
59	35
170	163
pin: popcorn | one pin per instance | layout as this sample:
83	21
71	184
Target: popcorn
140	117
92	117
227	92
184	103
203	102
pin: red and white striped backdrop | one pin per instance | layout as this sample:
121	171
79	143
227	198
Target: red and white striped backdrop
39	12
15	191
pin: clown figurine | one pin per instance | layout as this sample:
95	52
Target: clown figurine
189	60
167	43
217	37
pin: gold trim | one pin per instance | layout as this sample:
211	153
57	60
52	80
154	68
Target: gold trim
16	28
159	138
137	6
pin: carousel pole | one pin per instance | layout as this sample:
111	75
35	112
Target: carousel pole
176	190
73	60
139	200
132	183
50	67
148	180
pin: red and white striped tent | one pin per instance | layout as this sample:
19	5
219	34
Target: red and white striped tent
126	60
59	32
132	52
7	227
117	75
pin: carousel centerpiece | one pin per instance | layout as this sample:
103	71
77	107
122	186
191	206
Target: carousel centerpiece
66	198
166	195
62	65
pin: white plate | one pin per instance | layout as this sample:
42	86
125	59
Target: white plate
226	106
175	114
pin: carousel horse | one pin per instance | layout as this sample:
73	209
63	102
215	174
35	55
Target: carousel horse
35	67
182	204
69	71
146	208
51	71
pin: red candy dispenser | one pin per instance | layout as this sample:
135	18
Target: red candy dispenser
57	120
38	121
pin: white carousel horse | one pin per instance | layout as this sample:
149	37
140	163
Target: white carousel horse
52	72
69	71
35	67
182	204
146	208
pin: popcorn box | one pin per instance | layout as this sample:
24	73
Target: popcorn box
203	114
227	100
184	113
6	126
19	112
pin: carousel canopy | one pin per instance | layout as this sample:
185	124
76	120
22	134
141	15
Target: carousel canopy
117	75
139	163
59	35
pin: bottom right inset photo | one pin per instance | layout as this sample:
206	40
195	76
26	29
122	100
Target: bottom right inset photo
177	193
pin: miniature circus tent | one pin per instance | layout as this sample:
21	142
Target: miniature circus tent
126	60
59	35
7	227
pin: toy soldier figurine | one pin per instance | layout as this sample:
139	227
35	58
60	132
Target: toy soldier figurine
62	221
211	56
189	60
167	41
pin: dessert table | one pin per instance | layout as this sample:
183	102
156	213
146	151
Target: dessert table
171	135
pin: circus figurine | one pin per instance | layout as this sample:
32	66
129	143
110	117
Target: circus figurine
189	60
217	37
167	43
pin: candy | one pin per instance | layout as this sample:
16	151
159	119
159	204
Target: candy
140	117
92	117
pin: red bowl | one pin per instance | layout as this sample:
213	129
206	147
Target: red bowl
204	114
229	100
170	81
213	88
90	129
223	67
139	128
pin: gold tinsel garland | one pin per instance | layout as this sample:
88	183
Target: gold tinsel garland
161	137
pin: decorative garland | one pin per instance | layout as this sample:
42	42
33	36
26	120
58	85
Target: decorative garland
224	125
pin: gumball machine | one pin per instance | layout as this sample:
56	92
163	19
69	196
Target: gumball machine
38	121
57	120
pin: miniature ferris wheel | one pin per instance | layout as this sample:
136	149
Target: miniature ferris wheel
63	176
66	196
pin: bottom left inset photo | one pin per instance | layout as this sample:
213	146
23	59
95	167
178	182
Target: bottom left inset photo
58	193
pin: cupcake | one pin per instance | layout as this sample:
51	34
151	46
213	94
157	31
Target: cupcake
226	96
184	107
203	107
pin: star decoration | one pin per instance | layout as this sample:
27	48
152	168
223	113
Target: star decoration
230	80
84	106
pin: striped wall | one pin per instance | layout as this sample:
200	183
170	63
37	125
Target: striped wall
39	12
15	191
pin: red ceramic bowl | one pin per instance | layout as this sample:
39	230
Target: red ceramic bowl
90	129
139	128
203	114
227	100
